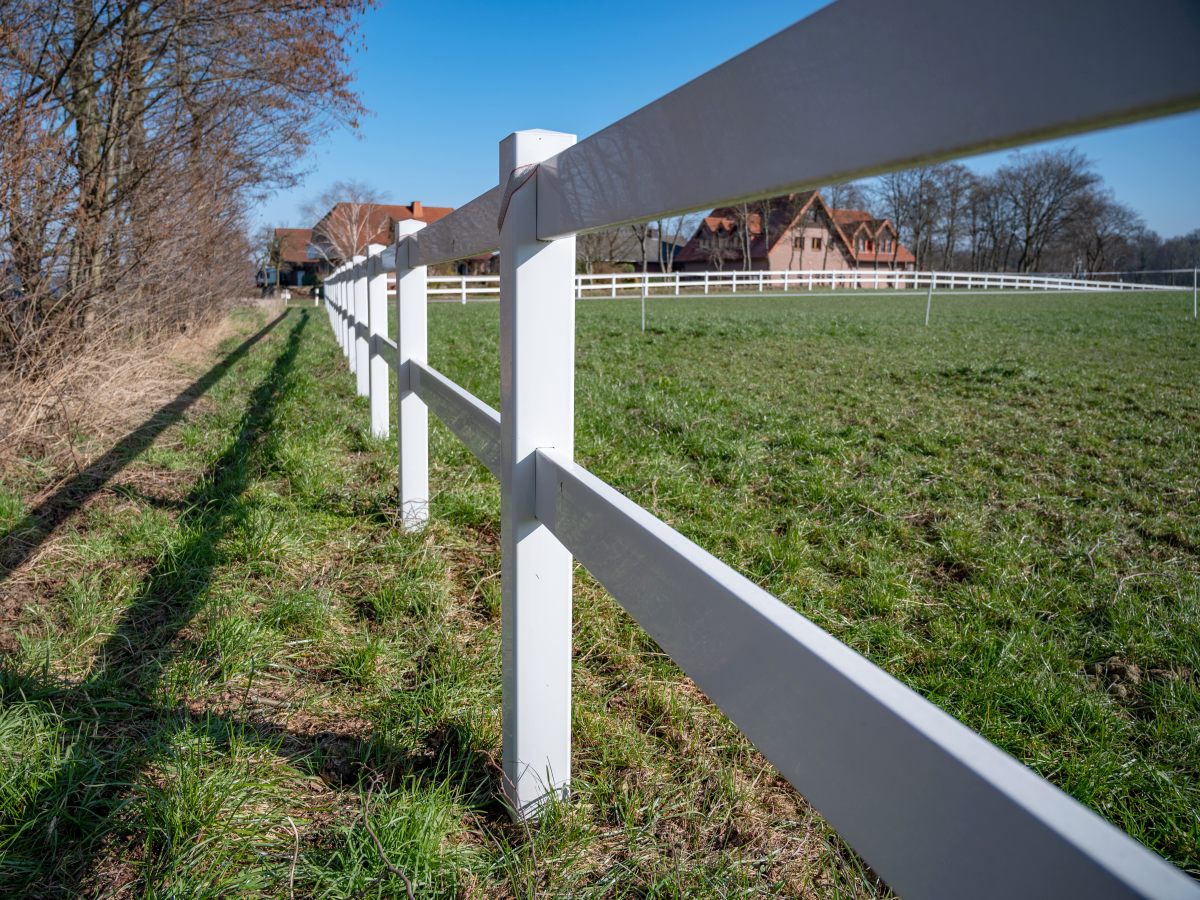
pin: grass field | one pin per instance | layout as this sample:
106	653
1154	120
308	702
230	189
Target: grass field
228	657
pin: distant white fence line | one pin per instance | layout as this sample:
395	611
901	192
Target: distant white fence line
634	284
934	808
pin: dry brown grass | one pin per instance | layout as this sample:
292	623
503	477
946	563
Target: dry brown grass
55	424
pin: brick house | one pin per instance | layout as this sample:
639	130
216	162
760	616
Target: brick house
802	232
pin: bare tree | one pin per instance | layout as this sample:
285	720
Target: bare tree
1044	190
641	234
671	232
847	195
717	245
745	216
911	200
953	184
136	137
1097	232
347	215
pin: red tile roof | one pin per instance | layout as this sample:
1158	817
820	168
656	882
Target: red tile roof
293	244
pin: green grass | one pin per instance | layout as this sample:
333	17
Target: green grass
207	683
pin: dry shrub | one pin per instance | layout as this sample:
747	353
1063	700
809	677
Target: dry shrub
57	421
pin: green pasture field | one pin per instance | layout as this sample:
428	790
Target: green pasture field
228	659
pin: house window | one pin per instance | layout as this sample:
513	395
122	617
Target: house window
816	243
798	243
858	245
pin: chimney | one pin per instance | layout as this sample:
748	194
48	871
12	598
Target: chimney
417	211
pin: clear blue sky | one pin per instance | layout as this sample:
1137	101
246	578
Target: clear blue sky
445	81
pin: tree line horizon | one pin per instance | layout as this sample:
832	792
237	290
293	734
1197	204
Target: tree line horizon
1041	211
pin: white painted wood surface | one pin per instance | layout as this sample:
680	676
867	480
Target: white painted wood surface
930	80
379	372
937	810
412	349
473	422
537	409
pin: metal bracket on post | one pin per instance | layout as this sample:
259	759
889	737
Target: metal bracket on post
377	369
537	406
412	345
359	353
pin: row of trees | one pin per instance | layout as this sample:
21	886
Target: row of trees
136	135
1045	211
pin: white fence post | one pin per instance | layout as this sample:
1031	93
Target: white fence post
464	290
1195	310
378	370
358	333
537	386
335	309
347	316
329	310
412	345
339	302
343	313
929	298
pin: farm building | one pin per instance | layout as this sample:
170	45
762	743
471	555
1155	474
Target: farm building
795	231
296	266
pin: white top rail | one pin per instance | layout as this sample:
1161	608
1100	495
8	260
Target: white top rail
468	231
464	287
908	106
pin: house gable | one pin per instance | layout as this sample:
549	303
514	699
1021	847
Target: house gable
802	231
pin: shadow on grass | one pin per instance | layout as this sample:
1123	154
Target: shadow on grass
22	540
115	721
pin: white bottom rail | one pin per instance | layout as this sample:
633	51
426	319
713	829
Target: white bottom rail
937	810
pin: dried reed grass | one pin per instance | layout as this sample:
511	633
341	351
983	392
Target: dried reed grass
53	425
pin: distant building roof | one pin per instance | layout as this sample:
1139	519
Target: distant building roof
293	244
374	222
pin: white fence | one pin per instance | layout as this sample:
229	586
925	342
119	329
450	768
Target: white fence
932	806
635	284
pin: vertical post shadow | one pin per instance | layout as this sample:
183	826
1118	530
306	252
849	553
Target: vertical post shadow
20	542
